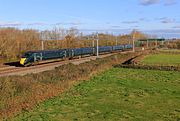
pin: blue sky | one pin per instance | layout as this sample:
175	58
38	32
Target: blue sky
156	17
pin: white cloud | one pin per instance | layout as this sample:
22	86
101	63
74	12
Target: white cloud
149	2
17	24
37	24
176	27
166	20
165	33
115	26
170	2
69	23
130	22
10	24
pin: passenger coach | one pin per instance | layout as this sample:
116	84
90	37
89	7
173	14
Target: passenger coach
33	57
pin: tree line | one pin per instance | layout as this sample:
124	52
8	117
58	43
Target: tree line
14	42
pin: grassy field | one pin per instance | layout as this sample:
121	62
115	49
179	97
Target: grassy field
169	50
118	94
162	59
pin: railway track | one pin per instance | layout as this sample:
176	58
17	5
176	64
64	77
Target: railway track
6	70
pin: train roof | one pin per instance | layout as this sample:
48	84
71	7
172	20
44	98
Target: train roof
35	51
153	39
38	51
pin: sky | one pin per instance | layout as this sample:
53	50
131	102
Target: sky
155	17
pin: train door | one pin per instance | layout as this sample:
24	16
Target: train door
65	54
37	57
70	53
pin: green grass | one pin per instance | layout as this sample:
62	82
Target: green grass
162	59
169	50
118	94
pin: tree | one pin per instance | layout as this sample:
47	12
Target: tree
138	35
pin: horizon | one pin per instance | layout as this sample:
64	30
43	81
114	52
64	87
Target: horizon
153	17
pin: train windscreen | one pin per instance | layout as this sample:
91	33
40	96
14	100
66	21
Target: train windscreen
26	55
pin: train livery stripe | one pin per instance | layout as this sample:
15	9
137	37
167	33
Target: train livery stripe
22	61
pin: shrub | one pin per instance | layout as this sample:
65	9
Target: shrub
24	92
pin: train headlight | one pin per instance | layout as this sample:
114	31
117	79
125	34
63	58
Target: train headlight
22	61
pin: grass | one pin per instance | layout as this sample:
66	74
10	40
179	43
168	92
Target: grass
18	93
170	50
117	94
162	59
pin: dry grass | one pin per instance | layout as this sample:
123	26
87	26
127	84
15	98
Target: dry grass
20	93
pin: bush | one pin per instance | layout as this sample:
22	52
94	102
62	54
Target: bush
24	92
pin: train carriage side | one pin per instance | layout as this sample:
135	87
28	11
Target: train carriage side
35	56
79	52
128	46
73	52
105	49
88	51
118	47
53	54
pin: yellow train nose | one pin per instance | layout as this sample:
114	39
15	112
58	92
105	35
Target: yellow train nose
22	61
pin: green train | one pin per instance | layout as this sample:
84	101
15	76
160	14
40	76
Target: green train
31	57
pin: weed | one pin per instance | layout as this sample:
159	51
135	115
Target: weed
24	92
117	94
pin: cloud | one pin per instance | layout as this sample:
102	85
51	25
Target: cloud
115	26
149	2
69	23
16	24
108	23
107	30
165	33
176	27
37	24
134	26
10	24
170	2
166	20
144	19
130	22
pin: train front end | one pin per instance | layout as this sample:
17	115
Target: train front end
22	61
25	59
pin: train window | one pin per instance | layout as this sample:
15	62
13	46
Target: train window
25	55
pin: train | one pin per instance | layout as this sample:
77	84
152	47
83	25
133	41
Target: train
33	57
